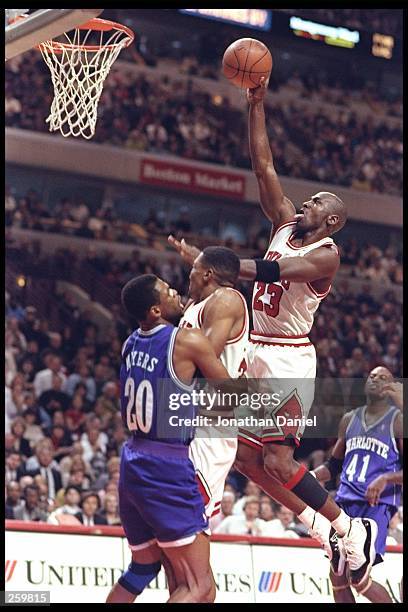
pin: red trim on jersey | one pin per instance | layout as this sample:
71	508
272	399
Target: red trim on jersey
296	478
276	335
203	488
278	343
217	511
267	439
252	440
200	315
296	248
244	326
282	225
319	295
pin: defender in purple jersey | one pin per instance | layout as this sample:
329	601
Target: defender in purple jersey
368	453
160	505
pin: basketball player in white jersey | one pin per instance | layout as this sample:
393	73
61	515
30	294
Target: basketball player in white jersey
294	276
220	311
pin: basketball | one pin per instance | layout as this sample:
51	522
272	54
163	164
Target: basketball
245	61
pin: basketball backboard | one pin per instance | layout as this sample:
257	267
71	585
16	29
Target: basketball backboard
42	25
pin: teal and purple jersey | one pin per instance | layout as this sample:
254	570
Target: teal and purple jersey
370	452
150	389
159	499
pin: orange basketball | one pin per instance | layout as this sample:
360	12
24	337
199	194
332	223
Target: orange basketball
245	61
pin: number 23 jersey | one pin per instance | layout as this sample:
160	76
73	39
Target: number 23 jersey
286	308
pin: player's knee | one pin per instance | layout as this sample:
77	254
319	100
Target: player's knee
245	461
138	575
274	466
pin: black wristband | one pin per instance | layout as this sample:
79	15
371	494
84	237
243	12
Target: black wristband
267	271
334	466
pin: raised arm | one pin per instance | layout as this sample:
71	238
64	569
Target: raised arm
187	251
275	205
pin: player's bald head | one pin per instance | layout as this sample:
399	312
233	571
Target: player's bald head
335	208
382	372
378	378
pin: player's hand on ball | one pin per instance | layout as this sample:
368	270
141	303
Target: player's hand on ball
187	251
257	93
374	490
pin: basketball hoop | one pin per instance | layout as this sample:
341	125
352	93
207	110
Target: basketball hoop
78	71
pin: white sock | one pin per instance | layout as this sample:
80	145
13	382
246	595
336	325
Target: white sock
307	517
342	523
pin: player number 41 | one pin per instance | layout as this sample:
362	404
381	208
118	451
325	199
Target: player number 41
351	470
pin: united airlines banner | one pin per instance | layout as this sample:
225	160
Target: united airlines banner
78	568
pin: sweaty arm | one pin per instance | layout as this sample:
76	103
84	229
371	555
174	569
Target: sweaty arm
275	205
319	264
330	468
222	318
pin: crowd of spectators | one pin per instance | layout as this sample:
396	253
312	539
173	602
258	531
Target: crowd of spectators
360	260
384	21
177	118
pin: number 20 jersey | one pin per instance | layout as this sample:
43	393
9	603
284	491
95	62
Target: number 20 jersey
147	384
370	452
285	308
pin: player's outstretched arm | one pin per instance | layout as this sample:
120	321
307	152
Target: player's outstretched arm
275	205
320	264
332	467
187	251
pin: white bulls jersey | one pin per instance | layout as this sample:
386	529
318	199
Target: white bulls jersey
233	355
285	308
214	448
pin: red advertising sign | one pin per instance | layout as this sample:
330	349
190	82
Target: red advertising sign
193	178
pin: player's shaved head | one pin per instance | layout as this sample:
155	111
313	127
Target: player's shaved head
383	372
335	206
377	379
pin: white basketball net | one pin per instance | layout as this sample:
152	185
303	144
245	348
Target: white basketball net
78	76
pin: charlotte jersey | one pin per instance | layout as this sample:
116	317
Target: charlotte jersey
233	357
148	382
370	452
285	308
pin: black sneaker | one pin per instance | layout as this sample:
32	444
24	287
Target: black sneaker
359	544
338	559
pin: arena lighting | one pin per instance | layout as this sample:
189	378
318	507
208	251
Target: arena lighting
258	19
339	37
21	281
382	45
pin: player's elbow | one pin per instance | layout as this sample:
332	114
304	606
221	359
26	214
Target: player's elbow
261	167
